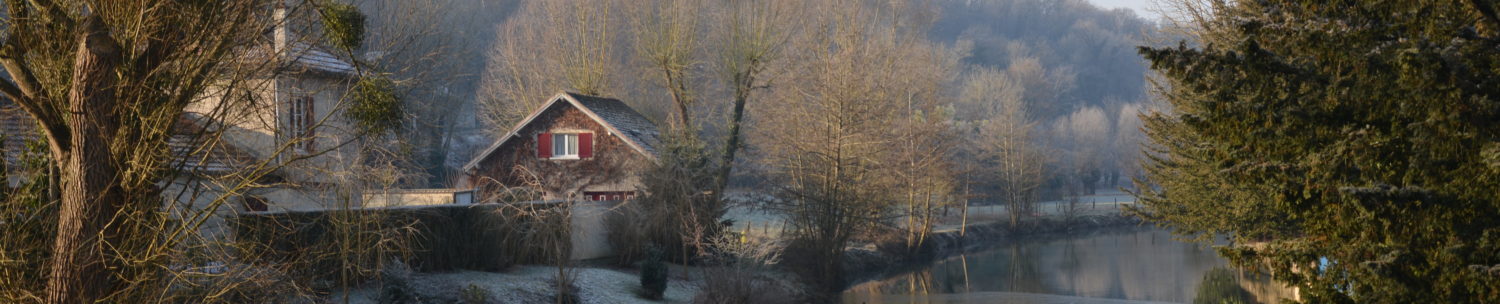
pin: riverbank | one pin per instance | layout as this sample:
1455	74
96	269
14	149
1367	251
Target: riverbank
522	284
864	264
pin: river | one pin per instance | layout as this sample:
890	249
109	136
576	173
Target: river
1127	265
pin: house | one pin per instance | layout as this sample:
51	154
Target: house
192	154
574	147
197	163
290	115
273	119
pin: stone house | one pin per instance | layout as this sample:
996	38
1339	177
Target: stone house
574	147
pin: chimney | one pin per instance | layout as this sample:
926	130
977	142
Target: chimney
280	38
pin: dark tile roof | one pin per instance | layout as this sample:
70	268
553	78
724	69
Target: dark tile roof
313	58
203	154
302	56
17	129
195	147
623	118
614	114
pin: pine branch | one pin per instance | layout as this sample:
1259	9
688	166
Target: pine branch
1486	11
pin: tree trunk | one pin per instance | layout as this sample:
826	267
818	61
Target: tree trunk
731	144
91	189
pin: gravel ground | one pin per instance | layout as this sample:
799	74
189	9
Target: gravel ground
533	284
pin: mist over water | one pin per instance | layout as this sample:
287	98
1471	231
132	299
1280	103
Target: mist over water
1135	264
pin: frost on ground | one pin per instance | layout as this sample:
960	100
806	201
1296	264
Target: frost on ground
986	297
533	284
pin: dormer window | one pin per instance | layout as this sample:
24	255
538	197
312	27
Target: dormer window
577	145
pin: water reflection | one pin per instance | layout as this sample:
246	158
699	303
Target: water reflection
1138	264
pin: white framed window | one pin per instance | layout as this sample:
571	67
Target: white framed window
564	145
300	122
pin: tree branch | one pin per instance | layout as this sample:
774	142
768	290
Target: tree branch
20	73
1488	13
53	12
10	90
52	126
26	90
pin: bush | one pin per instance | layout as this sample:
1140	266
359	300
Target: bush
473	294
395	285
654	273
486	237
1219	286
744	274
628	233
567	293
677	201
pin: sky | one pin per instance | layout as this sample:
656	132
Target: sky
1141	7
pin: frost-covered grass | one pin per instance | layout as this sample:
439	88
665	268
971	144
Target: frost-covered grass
533	284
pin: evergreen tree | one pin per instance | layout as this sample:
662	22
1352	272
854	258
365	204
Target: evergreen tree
1357	142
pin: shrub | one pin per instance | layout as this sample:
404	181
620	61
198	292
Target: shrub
473	294
628	233
744	274
395	285
677	199
1219	286
486	237
567	293
654	273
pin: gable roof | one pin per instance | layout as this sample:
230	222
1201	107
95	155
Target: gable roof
189	150
17	129
300	56
638	132
312	58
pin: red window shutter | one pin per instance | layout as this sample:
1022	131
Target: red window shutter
544	145
585	145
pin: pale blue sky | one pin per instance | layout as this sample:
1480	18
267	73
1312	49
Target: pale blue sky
1141	7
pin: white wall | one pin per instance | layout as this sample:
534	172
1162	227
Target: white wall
590	235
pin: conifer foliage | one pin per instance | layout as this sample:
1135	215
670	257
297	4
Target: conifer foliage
1346	146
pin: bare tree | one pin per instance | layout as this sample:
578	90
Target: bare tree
1005	141
549	46
1083	135
921	154
828	134
104	98
1128	140
751	38
428	50
667	38
107	84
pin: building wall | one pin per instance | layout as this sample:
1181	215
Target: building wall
260	110
329	94
613	166
395	198
590	237
186	198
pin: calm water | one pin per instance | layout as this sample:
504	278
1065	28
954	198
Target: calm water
1126	266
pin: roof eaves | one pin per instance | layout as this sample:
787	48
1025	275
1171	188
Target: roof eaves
474	163
571	99
629	140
